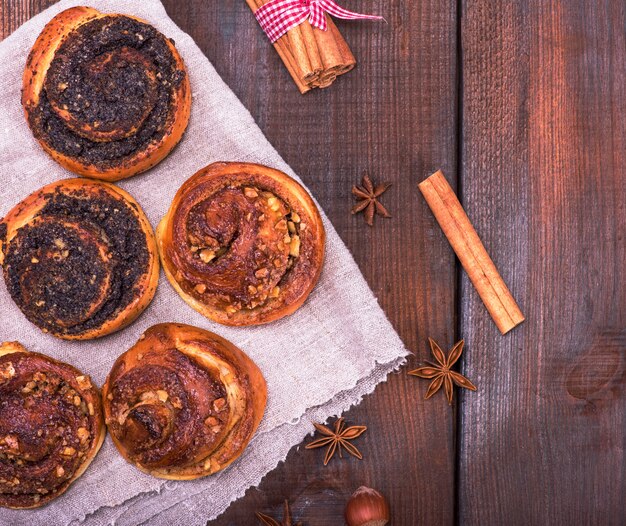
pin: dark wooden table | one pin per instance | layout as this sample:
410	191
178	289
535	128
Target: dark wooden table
522	103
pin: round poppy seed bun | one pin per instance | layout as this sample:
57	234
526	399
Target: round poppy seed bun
106	95
79	258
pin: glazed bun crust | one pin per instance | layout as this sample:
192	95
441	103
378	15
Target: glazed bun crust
79	258
51	426
243	244
183	403
106	95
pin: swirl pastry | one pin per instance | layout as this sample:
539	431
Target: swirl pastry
79	258
106	95
51	426
242	244
183	403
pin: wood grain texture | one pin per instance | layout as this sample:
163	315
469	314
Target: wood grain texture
543	173
395	118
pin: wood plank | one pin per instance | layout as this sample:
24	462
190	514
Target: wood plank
394	117
543	172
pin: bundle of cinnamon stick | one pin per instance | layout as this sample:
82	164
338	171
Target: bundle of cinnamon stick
314	58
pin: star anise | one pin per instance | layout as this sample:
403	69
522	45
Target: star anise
269	521
368	195
337	439
441	374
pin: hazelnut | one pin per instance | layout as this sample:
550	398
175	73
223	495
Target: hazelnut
367	507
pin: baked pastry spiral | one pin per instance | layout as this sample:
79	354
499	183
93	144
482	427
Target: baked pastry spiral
51	426
79	258
106	95
242	244
183	403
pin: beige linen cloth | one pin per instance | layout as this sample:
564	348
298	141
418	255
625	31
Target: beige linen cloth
317	362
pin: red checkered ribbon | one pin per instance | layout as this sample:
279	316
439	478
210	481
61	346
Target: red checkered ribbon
279	16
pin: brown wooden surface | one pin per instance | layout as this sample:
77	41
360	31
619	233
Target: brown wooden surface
542	136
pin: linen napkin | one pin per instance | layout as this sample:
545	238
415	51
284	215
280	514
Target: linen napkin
317	362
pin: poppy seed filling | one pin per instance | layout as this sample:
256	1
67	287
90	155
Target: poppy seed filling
108	92
77	263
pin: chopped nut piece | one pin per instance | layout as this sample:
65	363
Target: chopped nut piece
59	243
281	225
250	192
230	309
34	260
83	434
8	371
252	289
84	382
60	471
211	421
277	263
261	217
177	403
292	227
90	408
207	255
275	292
295	217
302	227
261	273
68	452
110	396
200	288
40	303
219	404
287	239
12	442
294	248
162	395
76	401
194	249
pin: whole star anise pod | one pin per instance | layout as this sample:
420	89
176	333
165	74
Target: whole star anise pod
368	195
269	521
441	374
337	439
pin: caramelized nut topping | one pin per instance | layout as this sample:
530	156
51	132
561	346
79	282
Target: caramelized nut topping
83	434
294	247
211	421
207	255
261	273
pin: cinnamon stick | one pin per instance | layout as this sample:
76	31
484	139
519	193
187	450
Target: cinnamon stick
314	58
284	52
471	252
